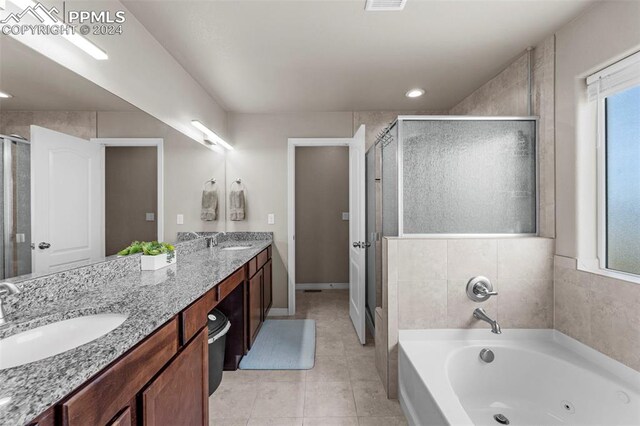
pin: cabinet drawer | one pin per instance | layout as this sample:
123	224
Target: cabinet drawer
263	256
195	316
253	267
112	390
269	252
124	419
230	284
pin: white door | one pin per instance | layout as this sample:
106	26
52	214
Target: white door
66	199
357	237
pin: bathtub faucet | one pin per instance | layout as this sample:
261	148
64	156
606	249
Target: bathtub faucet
480	314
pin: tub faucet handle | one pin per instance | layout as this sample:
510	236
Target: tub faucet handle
480	289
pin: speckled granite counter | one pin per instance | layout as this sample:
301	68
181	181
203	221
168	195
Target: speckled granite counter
150	298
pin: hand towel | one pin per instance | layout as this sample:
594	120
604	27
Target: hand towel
236	204
209	205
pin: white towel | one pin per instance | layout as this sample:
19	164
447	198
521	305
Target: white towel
209	205
236	204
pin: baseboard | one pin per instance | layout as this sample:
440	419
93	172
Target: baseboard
323	286
278	312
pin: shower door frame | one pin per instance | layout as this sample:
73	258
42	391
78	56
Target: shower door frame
7	182
400	157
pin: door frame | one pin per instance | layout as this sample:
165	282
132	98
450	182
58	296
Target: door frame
137	142
291	205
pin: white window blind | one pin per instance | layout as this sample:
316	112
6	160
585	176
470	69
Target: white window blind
621	75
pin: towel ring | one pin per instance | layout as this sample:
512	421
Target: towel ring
213	183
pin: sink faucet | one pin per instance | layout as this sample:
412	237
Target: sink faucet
480	314
6	288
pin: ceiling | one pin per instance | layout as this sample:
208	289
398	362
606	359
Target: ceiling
38	83
300	55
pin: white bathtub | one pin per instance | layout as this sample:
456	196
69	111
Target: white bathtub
538	377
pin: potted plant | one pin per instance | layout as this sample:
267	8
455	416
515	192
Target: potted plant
155	255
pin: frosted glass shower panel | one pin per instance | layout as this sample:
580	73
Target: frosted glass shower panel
469	176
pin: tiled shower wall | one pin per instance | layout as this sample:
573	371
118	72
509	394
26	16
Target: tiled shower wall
425	282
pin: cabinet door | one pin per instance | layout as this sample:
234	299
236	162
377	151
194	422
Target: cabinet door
255	305
179	395
266	290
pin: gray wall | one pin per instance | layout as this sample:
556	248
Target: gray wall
322	194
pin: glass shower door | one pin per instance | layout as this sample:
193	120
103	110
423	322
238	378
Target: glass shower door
15	202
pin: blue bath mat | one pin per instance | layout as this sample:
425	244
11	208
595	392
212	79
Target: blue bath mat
283	345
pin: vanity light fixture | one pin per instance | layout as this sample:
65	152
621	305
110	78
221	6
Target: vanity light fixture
211	136
76	39
5	95
414	93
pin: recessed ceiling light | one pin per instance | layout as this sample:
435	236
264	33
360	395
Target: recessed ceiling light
414	93
5	95
212	136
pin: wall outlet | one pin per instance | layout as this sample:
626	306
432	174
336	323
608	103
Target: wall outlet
180	219
345	215
271	219
150	217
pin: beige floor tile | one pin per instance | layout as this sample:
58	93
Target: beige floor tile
330	421
327	346
283	375
371	400
382	421
328	369
329	399
228	422
279	399
362	368
276	421
240	376
233	401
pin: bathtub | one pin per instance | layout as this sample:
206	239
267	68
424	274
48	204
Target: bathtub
538	377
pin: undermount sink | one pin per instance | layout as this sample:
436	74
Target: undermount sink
230	248
55	338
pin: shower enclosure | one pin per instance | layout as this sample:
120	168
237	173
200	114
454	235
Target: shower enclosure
450	177
15	202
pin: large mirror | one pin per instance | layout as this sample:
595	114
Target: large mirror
83	173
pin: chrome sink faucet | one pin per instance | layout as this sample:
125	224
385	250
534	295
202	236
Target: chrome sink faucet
5	289
480	314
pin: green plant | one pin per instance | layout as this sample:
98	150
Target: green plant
152	248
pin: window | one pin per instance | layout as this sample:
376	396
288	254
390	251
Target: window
622	186
616	91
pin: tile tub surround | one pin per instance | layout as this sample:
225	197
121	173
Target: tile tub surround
599	311
150	298
425	286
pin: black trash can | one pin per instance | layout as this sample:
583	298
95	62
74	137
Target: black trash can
218	327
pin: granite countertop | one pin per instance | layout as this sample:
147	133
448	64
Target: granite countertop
150	298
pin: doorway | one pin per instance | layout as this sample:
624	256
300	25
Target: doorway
356	243
322	217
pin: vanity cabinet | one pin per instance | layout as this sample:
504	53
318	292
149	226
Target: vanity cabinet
179	395
255	305
164	380
260	292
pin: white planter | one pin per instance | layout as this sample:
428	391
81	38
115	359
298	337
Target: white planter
151	263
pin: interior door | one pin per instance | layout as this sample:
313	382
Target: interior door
66	194
357	235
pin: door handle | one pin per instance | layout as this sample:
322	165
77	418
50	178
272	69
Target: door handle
357	244
44	246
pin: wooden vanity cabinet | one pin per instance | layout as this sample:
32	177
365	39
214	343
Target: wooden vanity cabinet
260	292
255	305
179	394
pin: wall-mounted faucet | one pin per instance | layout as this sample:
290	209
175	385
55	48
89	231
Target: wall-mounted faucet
5	289
480	314
480	289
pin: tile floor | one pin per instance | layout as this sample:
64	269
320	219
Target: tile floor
343	388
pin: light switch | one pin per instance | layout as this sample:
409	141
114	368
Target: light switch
180	219
345	215
150	217
271	219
